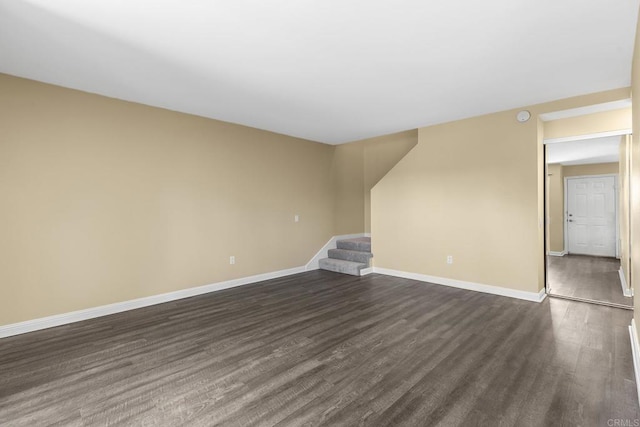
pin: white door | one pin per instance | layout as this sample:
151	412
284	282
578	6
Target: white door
591	216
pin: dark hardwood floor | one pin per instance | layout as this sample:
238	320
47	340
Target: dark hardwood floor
321	348
588	277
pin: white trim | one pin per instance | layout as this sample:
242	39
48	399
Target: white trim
626	291
119	307
470	286
366	271
589	109
618	132
104	310
555	253
635	350
314	264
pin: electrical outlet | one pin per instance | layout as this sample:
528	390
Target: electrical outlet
296	218
232	260
449	259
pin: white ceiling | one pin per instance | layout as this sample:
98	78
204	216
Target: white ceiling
329	71
585	151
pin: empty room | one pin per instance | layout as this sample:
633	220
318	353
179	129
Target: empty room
319	213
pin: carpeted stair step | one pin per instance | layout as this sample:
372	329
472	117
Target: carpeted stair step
349	255
362	244
342	266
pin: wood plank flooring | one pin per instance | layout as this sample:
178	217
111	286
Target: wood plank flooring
589	277
321	348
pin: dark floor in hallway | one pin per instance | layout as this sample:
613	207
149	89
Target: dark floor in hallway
320	348
582	276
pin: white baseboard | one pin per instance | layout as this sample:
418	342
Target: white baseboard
104	310
626	291
635	350
314	264
119	307
470	286
554	253
366	271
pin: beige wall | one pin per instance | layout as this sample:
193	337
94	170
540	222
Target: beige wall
556	175
471	189
380	156
357	167
555	205
105	201
589	124
348	185
463	191
593	169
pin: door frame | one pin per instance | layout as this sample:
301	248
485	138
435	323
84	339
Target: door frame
615	207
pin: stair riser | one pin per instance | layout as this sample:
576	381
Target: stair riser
354	246
327	265
362	257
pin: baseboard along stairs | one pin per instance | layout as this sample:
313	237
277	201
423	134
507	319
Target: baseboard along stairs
350	257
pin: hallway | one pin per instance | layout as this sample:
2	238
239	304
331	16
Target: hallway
588	277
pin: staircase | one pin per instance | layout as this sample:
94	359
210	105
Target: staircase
351	256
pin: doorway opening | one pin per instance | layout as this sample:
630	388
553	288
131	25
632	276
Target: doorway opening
587	208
